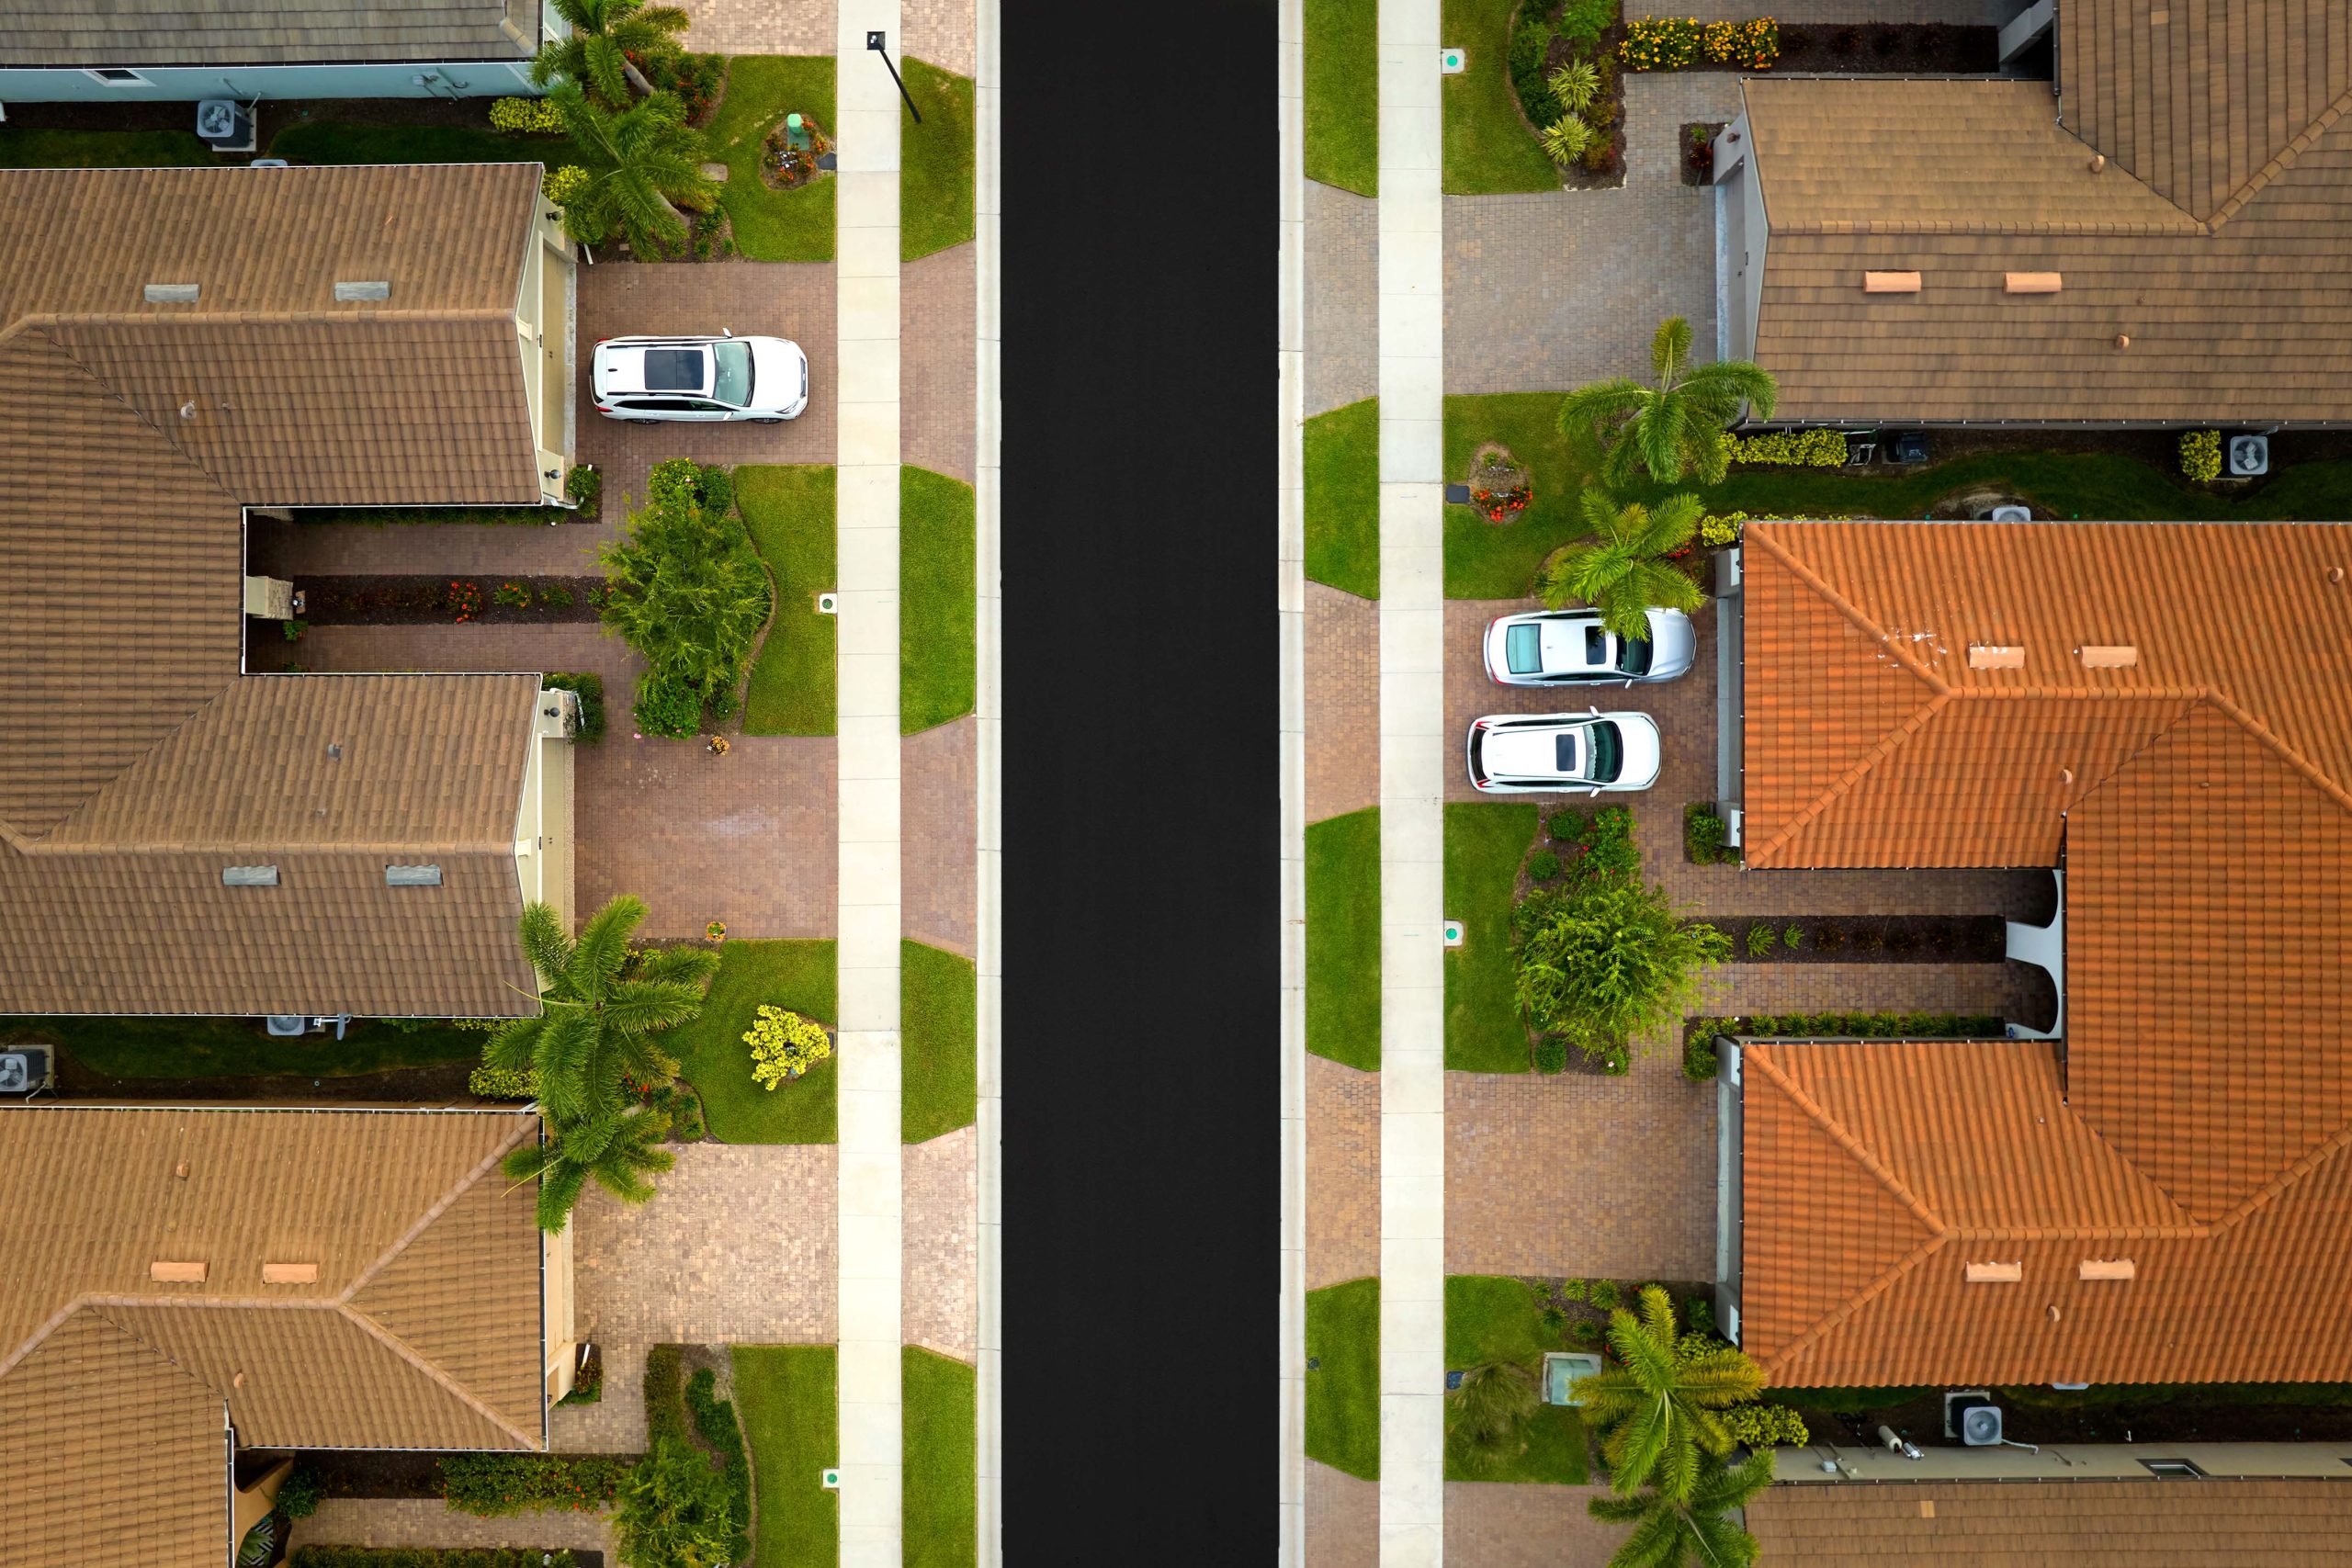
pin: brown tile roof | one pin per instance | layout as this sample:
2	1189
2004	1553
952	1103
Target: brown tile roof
421	1330
134	759
2197	798
2058	1524
2243	312
286	32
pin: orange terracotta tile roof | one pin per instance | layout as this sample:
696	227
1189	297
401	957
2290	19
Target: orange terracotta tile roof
421	1328
2039	1524
2196	795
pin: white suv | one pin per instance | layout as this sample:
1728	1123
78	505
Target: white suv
1519	754
644	379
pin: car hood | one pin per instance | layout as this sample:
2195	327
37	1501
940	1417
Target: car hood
1674	643
777	372
1640	737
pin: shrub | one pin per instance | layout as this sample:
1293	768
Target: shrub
1585	1331
1699	1060
591	689
1583	21
294	630
1550	1055
303	1490
1659	43
1603	961
1794	936
785	1045
521	116
1566	140
674	1510
514	594
1543	865
1716	532
2200	454
430	1557
1566	825
1763	1424
715	1419
1574	85
564	184
462	599
1761	939
666	707
1607	839
504	1083
1524	59
665	1392
1703	833
1572	1290
1698	1313
693	79
556	595
1788	448
1754	45
1604	1294
585	486
492	1486
689	593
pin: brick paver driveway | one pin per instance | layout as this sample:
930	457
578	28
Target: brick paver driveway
1342	298
1342	1173
1497	1524
1342	671
939	1293
1342	1519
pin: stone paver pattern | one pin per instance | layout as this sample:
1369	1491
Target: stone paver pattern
940	1229
942	33
1342	298
1343	1518
939	858
1341	637
663	819
760	27
1555	288
429	1522
1499	1525
938	346
1342	1173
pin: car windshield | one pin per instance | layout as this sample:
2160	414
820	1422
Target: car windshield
1633	657
1522	654
734	373
674	369
1607	753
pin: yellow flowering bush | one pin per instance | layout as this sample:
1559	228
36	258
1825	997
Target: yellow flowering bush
526	115
561	184
1788	448
1754	45
785	1045
1715	532
1669	43
2200	454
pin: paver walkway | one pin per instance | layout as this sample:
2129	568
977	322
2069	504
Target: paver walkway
1342	1173
941	1290
1342	701
1342	299
1497	1524
938	342
428	1521
760	27
938	867
1343	1518
1554	289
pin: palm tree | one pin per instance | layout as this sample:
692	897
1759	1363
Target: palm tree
603	1001
1624	568
1695	1531
603	35
641	162
1659	1401
1675	425
619	1148
1490	1405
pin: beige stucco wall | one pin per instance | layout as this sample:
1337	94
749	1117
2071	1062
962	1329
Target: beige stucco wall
561	1308
543	826
545	335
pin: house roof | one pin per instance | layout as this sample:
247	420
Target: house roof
135	758
285	32
421	1328
2197	796
2038	1524
2219	245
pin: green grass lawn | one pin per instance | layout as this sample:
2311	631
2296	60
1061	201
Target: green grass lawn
341	141
1342	71
773	225
1344	1389
789	509
937	162
1343	939
939	1507
1342	457
21	149
1487	561
939	1062
1485	842
939	655
236	1047
789	1396
1489	1317
795	975
1488	148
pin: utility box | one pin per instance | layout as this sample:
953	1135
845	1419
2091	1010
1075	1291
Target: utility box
270	598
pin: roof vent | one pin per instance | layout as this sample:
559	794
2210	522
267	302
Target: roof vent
1986	656
1890	283
2107	1269
2121	656
411	876
2122	339
289	1273
164	1273
353	293
248	876
2098	163
1994	1274
172	293
2032	283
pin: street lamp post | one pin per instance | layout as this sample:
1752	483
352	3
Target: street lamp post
878	41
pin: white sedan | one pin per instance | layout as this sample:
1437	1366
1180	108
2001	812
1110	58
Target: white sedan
645	379
1552	648
1526	753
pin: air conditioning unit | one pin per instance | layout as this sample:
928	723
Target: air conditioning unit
1980	1426
1963	1403
225	125
2249	455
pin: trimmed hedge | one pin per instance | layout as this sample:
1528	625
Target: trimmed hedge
715	1419
504	1083
492	1486
1789	448
430	1557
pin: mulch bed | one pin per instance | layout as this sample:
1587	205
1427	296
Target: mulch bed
422	599
276	113
1698	160
443	1085
2168	1415
1901	49
1610	175
1873	939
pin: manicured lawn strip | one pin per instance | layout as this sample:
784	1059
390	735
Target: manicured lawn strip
1343	85
795	975
789	1396
939	657
789	509
236	1047
1488	148
773	225
939	1502
1343	939
1493	1318
938	161
1487	561
1342	458
1485	842
939	1062
342	142
1343	1391
21	149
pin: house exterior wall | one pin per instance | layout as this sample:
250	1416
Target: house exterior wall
1729	1116
545	304
560	1309
543	827
1742	232
444	79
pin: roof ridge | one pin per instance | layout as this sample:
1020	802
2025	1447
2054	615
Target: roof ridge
1846	1141
524	1123
96	1305
2276	1188
401	1349
40	325
2280	161
44	320
2293	759
1845	606
1885	747
1878	1287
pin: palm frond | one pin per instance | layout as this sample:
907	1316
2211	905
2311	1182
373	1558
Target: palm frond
1667	587
1725	384
1594	408
1670	524
685	964
603	949
544	943
1670	350
514	1044
560	1188
1655	1542
635	1007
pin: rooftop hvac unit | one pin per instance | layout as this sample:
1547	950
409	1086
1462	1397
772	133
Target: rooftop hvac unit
1980	1426
225	125
2249	455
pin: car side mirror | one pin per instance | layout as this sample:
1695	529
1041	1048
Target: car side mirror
1594	790
726	332
1594	712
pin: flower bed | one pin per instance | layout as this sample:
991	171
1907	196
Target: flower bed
404	600
1699	1034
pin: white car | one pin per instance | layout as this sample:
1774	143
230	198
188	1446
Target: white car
642	380
1523	753
1552	648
